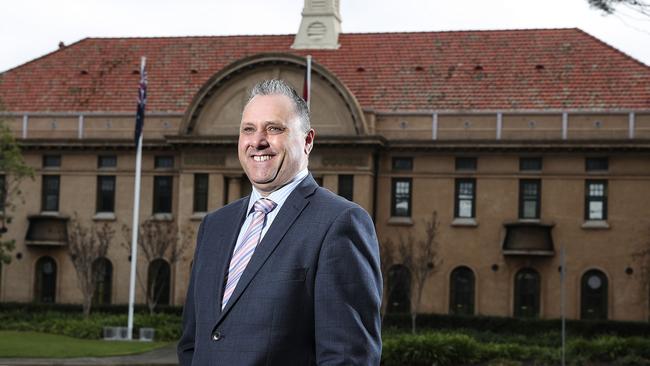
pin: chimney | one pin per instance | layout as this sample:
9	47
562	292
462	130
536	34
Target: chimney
320	26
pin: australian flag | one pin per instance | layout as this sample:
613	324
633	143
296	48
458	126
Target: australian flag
142	102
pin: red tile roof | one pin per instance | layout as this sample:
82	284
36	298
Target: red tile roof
465	70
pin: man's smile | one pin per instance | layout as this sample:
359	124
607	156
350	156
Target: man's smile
261	158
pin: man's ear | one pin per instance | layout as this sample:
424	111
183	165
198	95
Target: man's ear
309	141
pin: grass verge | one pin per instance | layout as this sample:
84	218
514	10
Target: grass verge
42	345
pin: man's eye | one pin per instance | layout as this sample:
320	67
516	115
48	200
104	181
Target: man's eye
247	129
275	129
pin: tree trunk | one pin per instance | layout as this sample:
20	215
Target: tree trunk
413	316
87	304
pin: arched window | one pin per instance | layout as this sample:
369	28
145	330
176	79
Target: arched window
103	272
593	295
461	291
399	289
45	283
158	281
527	287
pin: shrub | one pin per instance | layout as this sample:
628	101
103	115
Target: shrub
429	349
77	308
526	327
440	348
609	348
167	326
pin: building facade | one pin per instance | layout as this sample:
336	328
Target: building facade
524	143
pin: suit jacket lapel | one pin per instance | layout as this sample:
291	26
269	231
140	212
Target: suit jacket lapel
228	240
290	210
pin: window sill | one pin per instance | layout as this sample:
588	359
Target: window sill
400	221
162	217
51	213
467	222
529	221
595	225
104	216
198	216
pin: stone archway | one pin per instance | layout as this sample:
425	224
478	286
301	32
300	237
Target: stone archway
216	108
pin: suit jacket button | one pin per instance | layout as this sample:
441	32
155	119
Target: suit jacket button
216	336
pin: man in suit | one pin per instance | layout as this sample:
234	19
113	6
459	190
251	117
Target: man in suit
289	275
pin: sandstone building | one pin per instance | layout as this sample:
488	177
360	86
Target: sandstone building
523	142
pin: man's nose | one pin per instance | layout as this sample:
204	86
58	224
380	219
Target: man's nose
259	139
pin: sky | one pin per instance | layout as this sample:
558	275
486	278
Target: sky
33	28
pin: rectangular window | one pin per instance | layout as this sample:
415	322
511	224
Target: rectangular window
106	193
201	182
529	198
106	161
346	186
164	162
466	164
403	164
465	198
50	194
597	164
51	161
3	193
401	197
162	194
530	164
596	200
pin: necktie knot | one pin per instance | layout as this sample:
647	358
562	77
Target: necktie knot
264	205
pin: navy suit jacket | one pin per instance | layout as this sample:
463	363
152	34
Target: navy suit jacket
310	294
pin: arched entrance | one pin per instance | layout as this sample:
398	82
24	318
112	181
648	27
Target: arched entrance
45	284
461	291
593	295
399	289
527	293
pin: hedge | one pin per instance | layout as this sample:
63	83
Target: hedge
526	327
434	348
77	308
499	325
167	326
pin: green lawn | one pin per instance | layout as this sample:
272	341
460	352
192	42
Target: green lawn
31	344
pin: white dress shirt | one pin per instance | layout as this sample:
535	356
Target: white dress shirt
278	196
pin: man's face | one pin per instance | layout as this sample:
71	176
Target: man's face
273	148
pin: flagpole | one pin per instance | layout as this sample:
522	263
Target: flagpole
563	301
308	82
136	215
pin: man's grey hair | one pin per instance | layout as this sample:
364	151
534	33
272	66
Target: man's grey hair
281	87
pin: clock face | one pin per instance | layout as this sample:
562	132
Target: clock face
594	282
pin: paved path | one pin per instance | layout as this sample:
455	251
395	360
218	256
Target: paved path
165	356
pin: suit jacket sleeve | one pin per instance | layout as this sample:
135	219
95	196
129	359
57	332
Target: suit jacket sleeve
185	348
347	295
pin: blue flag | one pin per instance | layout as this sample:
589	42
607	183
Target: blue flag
142	102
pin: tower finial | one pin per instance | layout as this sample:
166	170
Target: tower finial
320	25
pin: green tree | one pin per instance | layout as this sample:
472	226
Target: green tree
13	170
611	6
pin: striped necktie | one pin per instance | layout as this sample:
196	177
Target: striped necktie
244	250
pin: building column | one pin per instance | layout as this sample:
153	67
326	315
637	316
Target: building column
331	182
234	188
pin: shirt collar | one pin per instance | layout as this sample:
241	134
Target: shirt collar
279	195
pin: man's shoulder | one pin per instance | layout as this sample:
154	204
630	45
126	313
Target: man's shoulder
323	198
